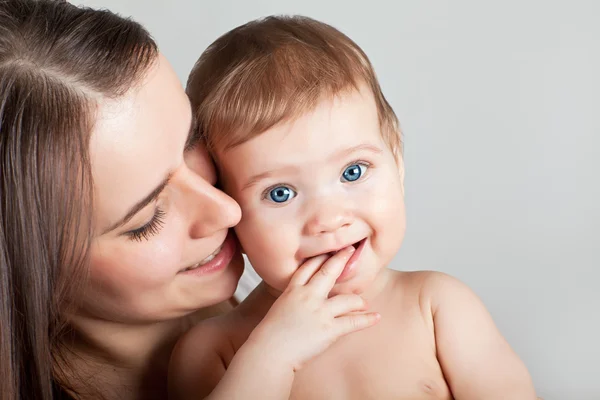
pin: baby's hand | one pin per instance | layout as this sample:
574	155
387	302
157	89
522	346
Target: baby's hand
304	321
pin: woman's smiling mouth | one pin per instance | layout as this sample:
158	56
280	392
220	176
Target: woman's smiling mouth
217	260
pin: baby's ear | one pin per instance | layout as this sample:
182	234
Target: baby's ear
400	164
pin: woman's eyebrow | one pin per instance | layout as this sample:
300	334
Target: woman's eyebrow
141	204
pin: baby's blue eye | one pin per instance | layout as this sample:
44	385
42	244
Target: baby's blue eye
353	172
281	194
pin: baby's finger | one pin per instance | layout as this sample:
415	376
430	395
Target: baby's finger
324	279
345	303
307	270
355	322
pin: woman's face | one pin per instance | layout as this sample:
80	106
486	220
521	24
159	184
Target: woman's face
162	247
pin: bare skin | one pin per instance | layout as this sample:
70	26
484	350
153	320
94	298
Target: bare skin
321	182
295	327
126	375
163	250
411	354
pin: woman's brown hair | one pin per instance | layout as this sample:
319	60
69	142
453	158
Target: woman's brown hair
56	62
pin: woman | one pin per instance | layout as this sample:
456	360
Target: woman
67	114
112	234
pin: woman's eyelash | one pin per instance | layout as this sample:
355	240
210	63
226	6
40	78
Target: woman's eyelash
150	229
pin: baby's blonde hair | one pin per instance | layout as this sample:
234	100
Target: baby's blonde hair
274	70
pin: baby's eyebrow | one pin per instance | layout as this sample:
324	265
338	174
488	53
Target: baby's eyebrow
259	177
336	156
361	147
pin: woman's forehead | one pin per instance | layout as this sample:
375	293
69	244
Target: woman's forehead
137	140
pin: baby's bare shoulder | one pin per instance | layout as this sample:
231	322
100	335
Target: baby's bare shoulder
221	335
200	357
209	334
421	283
427	283
203	346
426	289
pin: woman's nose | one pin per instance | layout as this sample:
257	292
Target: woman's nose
209	209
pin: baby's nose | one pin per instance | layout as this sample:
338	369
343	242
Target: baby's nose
327	220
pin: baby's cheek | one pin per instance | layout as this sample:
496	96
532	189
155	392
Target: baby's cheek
387	216
270	249
389	195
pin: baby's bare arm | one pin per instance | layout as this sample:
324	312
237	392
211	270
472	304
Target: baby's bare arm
198	368
476	360
301	323
197	363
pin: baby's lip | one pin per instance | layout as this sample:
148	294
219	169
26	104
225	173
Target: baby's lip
332	250
352	263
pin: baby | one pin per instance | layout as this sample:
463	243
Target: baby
306	143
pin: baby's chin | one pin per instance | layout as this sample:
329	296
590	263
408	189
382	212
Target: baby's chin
348	288
277	290
273	290
363	284
356	285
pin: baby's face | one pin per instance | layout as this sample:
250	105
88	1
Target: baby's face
315	185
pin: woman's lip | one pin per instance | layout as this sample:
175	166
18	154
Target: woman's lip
351	266
221	260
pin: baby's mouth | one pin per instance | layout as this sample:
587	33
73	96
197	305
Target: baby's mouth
355	245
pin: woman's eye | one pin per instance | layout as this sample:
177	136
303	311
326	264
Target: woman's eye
354	172
150	229
281	194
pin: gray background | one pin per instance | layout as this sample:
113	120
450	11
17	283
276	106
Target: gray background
499	106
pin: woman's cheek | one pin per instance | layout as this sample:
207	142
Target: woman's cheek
161	256
161	259
138	265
